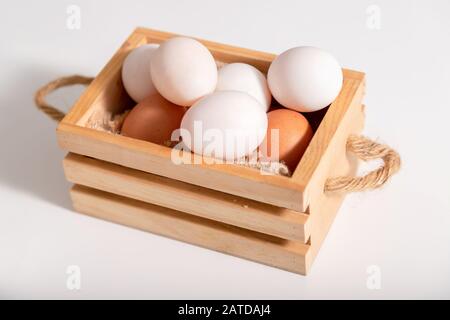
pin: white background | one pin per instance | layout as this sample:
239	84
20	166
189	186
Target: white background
404	229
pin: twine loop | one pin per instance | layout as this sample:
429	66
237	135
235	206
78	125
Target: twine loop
366	150
48	109
362	147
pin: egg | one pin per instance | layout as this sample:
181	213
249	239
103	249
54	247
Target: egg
225	125
305	79
153	119
136	75
294	135
246	78
183	70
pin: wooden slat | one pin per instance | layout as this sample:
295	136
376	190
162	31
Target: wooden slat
318	160
142	155
284	254
207	203
335	162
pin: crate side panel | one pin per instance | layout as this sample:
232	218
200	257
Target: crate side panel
176	195
325	205
141	155
317	161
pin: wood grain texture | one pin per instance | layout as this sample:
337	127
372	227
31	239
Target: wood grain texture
107	93
192	199
335	162
284	254
141	155
318	161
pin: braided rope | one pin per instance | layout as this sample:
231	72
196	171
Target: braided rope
40	95
367	150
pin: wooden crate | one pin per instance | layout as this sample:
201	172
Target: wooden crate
276	220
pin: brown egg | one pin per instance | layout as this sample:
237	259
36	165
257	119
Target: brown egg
153	119
294	135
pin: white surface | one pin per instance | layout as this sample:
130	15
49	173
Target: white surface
403	228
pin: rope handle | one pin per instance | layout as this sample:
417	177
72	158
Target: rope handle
48	109
366	150
362	147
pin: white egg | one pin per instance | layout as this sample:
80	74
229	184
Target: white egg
183	70
305	79
246	78
136	76
225	125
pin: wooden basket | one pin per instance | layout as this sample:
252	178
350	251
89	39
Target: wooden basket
276	220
